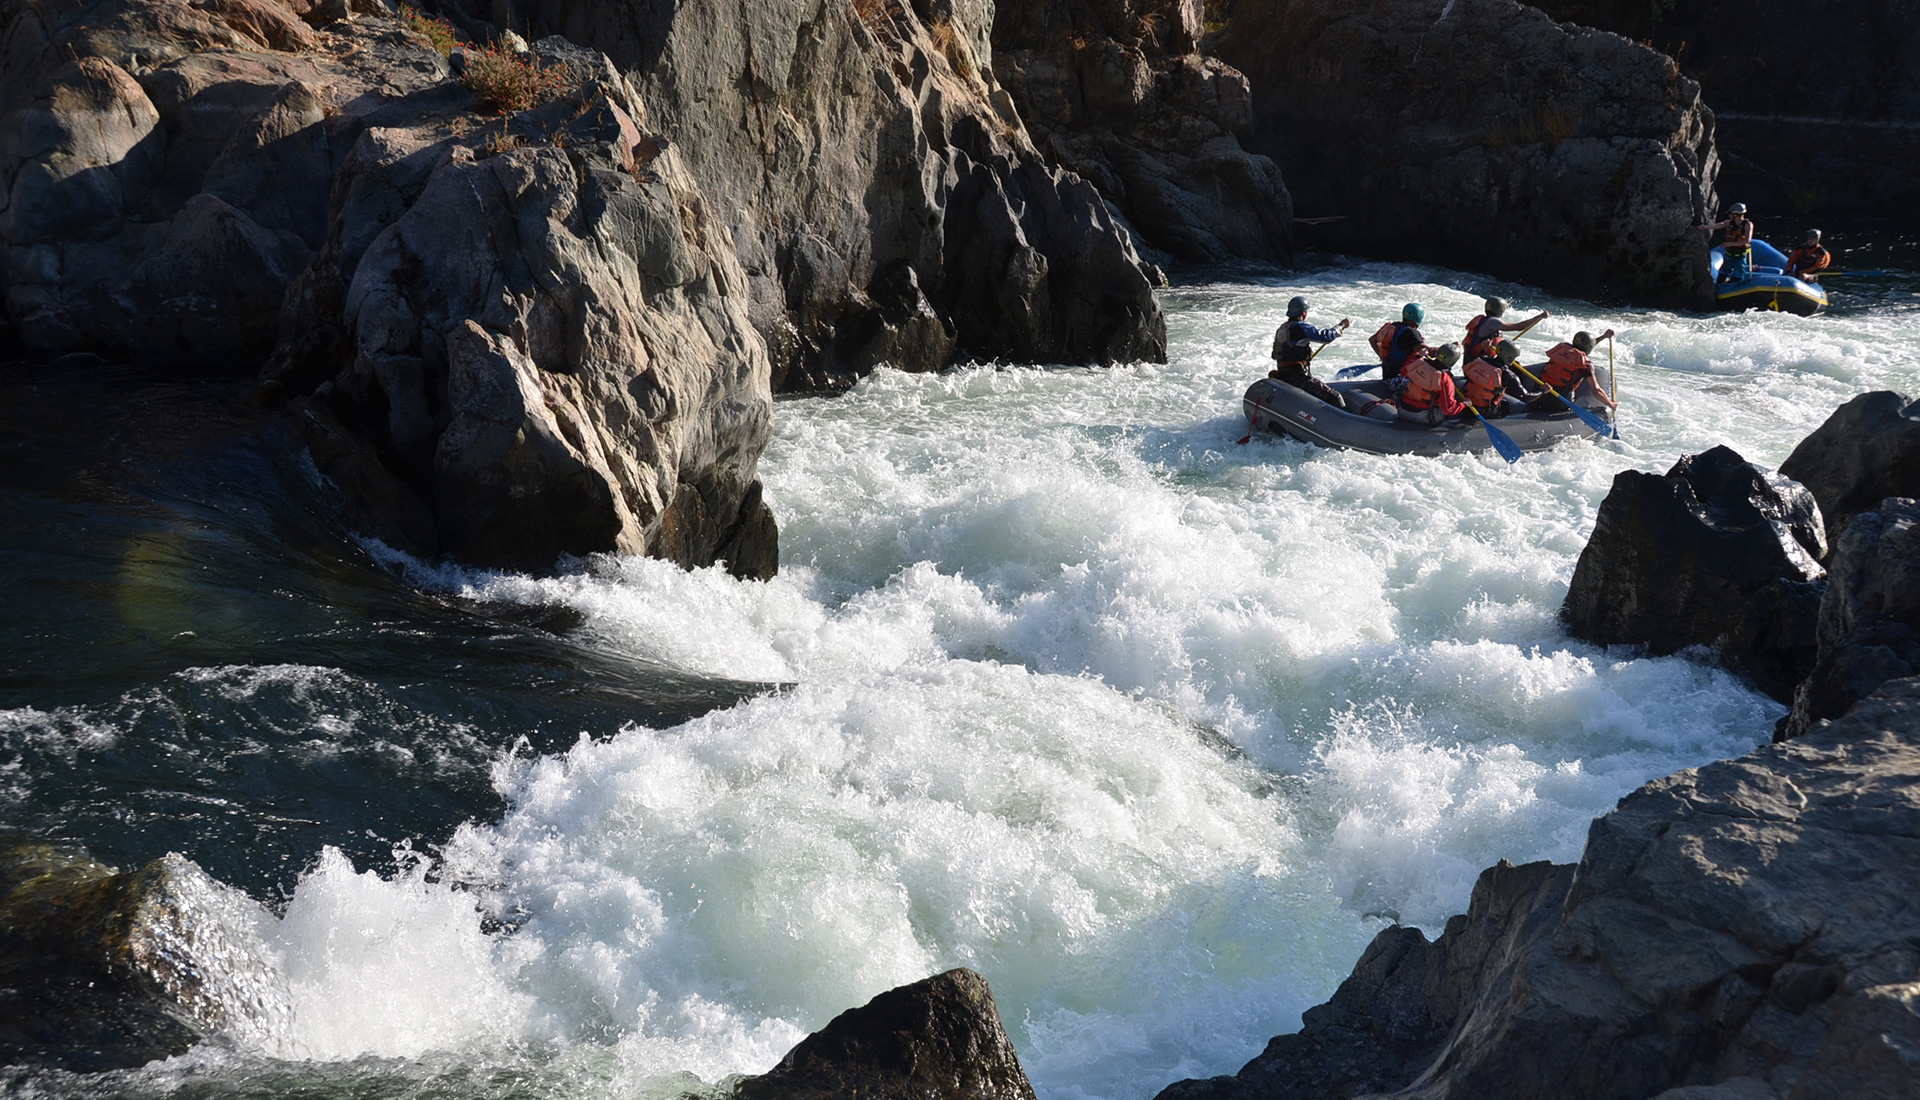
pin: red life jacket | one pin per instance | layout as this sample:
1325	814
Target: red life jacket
1485	383
1426	384
1808	261
1474	347
1382	339
1566	366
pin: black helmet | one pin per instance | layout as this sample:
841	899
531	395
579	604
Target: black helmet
1737	208
1496	306
1813	236
1583	341
1297	307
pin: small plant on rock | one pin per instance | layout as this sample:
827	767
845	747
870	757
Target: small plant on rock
438	32
509	82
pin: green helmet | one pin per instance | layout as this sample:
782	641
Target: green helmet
1583	341
1496	306
1297	307
1413	313
1446	355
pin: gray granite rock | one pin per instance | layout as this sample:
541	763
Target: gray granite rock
1482	135
1867	451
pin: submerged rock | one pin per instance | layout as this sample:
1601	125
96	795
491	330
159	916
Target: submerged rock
101	969
1867	451
846	145
1869	625
1482	135
1745	929
937	1039
1122	94
1716	553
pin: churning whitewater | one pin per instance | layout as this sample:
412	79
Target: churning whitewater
1153	729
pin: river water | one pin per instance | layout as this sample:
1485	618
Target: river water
1058	682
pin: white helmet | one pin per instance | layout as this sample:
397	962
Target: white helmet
1738	208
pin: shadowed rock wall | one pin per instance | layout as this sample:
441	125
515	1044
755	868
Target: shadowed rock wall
1480	134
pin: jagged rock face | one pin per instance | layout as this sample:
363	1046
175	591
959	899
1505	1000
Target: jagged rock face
1747	925
1482	135
1867	451
1869	626
1716	553
100	969
528	336
886	201
1118	91
939	1039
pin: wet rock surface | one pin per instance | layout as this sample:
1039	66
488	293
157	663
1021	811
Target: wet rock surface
1120	92
1482	135
1739	930
101	969
939	1038
1869	623
1716	553
887	202
1867	451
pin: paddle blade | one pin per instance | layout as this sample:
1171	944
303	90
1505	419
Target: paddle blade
1592	420
1244	440
1502	442
1355	372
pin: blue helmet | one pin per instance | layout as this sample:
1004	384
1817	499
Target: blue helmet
1414	313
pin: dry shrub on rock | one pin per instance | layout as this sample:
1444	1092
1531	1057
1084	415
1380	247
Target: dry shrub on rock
509	82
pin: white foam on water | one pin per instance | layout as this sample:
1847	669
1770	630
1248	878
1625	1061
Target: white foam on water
1151	728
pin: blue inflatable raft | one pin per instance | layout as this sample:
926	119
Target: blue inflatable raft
1767	286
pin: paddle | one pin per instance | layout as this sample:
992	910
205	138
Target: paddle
1599	426
1355	372
1502	442
1854	274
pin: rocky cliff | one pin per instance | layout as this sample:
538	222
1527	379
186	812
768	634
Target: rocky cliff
1742	931
1818	105
1482	135
1120	92
508	337
887	202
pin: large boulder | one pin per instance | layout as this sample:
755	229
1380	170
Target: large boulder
887	202
1716	553
1869	625
1482	135
1120	92
937	1039
1867	451
101	969
1741	930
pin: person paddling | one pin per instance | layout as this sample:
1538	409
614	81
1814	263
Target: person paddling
1424	392
1293	350
1737	245
1567	369
1483	331
1396	340
1810	259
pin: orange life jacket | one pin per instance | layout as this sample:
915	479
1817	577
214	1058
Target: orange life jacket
1739	236
1566	366
1485	383
1473	347
1426	384
1382	339
1808	261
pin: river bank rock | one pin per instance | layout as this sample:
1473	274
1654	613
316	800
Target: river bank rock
1482	135
1867	451
1744	929
101	969
874	174
939	1038
1121	93
1869	624
505	337
1716	553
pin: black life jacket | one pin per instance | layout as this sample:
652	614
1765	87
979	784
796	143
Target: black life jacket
1291	344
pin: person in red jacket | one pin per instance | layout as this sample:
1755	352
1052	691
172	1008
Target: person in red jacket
1809	260
1425	392
1567	369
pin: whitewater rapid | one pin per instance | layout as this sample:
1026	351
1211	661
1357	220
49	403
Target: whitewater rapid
1153	729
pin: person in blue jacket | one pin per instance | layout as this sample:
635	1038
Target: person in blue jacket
1293	350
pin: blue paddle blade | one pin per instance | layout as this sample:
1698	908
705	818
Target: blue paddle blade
1355	372
1502	442
1591	420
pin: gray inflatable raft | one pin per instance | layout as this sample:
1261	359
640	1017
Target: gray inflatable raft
1274	406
